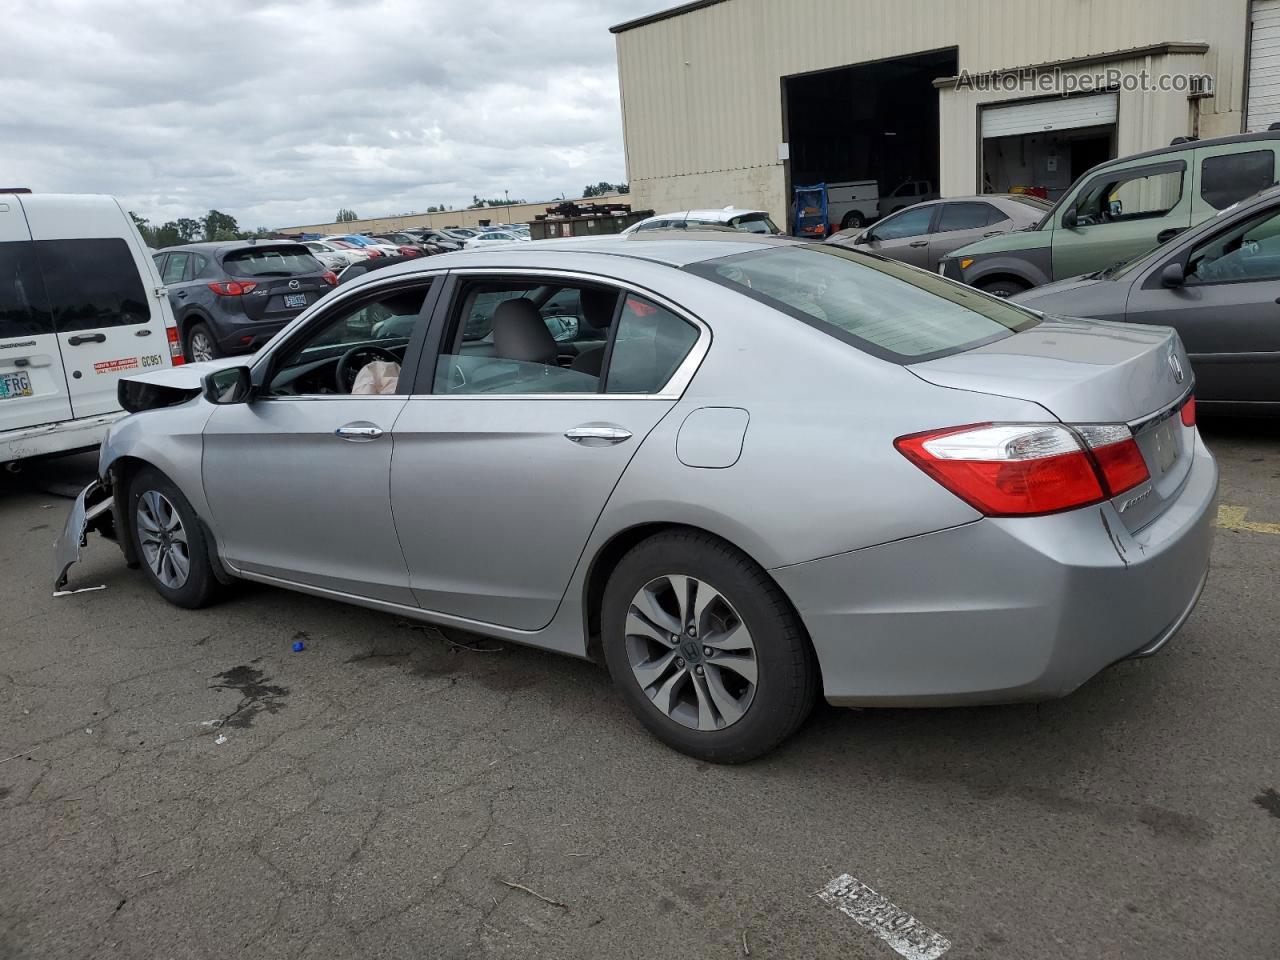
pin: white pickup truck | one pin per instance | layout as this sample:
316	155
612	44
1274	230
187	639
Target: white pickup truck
852	204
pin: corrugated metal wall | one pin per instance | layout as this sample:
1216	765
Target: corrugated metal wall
702	95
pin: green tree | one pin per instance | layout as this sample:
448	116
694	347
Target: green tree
187	229
220	226
346	216
604	187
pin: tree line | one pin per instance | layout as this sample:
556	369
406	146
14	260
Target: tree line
215	225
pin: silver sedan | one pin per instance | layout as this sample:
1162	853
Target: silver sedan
743	472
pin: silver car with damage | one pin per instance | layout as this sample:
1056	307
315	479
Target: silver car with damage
741	471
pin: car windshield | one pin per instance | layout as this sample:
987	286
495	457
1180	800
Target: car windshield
271	262
880	306
754	223
1035	203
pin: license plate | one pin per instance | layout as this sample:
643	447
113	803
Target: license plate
1166	444
14	385
295	300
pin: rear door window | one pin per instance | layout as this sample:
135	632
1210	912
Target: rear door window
175	268
1230	178
964	216
22	311
271	262
92	283
885	308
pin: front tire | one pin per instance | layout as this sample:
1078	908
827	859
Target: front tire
1003	288
705	648
170	541
200	344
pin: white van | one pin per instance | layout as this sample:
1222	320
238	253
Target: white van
81	305
852	203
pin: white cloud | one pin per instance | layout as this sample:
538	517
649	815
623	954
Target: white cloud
280	113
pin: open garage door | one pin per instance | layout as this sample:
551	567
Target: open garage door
1264	65
869	131
1042	146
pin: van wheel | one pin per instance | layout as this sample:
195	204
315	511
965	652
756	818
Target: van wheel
705	648
200	344
1003	288
170	541
853	220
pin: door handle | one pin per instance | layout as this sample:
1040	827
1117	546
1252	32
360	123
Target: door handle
359	432
181	294
80	338
992	233
598	436
919	243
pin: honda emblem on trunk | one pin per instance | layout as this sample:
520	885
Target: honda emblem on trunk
294	285
1176	367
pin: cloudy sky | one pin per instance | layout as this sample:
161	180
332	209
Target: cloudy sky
280	113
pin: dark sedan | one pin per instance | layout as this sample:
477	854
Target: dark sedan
924	234
232	297
1217	284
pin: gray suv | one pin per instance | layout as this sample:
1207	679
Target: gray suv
232	297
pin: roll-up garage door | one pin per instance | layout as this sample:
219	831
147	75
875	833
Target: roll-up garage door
1264	66
1069	113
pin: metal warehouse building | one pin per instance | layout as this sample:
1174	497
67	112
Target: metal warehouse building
737	101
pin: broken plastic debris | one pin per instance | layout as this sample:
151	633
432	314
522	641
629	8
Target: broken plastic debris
71	593
221	739
88	729
298	646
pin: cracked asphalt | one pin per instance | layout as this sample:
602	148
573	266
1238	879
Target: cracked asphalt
180	784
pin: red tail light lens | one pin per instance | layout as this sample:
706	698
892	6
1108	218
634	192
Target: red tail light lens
1027	469
1189	412
1008	470
372	252
177	358
1117	456
232	288
330	278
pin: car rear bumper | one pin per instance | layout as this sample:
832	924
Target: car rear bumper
1004	609
50	438
247	337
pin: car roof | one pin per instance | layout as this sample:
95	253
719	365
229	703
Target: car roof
668	249
226	246
723	215
1190	145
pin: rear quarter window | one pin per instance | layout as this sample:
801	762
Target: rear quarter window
22	311
882	307
92	283
271	262
1232	177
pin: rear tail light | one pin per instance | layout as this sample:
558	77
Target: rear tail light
1189	412
1117	455
330	278
232	288
176	356
1027	469
372	252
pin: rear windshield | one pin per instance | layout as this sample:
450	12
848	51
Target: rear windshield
271	262
883	307
754	223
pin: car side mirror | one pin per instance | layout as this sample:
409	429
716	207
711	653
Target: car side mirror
229	385
1173	275
1069	220
868	237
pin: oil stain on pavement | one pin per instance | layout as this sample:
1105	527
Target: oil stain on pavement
257	694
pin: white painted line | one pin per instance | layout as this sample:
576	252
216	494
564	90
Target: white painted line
869	910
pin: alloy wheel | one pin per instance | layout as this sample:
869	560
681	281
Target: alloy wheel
163	539
201	346
691	653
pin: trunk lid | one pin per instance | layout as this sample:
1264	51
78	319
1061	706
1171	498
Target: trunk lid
1086	372
289	279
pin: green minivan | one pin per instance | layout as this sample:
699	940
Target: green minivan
1120	209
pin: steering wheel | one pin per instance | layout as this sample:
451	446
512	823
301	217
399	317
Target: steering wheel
346	372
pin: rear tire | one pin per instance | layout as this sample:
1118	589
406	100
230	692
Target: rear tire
170	541
1003	288
726	688
200	344
853	220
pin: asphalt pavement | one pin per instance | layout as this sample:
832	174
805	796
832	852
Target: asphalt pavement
182	784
